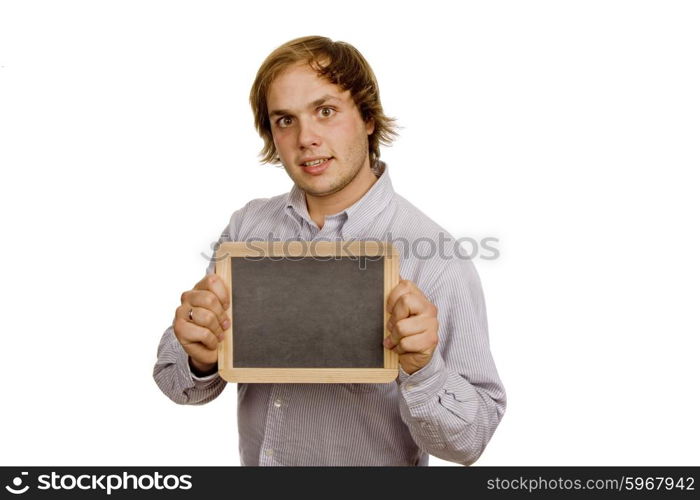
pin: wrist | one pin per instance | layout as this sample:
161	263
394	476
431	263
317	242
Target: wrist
201	369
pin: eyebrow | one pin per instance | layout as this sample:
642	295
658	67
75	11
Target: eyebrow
317	102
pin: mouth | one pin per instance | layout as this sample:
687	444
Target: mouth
317	166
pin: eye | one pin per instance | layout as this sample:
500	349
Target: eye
327	112
285	121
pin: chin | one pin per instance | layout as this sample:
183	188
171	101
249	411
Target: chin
318	191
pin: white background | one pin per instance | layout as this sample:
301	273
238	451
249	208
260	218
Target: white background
568	130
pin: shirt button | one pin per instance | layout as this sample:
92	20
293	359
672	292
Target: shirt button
269	452
278	403
410	386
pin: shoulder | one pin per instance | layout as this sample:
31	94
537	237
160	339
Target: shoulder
264	205
255	212
412	223
429	254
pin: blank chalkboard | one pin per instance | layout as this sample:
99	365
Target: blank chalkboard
307	311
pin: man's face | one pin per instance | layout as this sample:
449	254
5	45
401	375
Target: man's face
313	119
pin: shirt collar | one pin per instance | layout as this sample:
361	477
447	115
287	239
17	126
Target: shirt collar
359	215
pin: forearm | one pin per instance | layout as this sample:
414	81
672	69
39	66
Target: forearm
176	379
448	416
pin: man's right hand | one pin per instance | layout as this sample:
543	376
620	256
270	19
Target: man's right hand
208	302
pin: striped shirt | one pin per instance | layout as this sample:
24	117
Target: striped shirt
450	408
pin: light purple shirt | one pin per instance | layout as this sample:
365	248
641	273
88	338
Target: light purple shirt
450	408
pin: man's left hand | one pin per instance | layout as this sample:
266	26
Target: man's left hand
413	326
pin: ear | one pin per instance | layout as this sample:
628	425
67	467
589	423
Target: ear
369	125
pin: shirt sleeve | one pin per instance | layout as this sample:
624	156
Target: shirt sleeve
453	405
174	377
172	371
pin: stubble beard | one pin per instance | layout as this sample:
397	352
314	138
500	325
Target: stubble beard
357	157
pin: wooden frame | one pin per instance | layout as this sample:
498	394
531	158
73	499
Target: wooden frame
258	249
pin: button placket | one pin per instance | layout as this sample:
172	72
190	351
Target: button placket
274	428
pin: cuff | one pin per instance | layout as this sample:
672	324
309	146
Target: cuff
208	378
419	386
200	381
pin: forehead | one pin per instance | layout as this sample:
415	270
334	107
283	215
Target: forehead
298	86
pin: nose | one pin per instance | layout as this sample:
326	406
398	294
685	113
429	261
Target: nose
308	134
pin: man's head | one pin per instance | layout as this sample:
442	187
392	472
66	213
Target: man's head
319	134
337	63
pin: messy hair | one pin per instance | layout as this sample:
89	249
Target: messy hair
338	62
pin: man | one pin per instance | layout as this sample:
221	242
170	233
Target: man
317	108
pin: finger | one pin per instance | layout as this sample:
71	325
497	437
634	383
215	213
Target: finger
390	324
390	340
202	354
388	343
204	317
409	304
413	325
416	344
216	285
204	299
189	333
403	286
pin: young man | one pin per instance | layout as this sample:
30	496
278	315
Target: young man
317	108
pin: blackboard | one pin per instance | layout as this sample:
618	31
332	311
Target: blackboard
307	311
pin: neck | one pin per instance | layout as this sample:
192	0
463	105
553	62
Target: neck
320	206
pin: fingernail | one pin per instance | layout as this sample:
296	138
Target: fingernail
226	324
